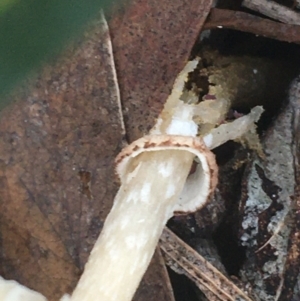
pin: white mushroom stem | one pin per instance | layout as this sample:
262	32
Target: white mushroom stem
232	130
155	184
132	229
11	290
153	172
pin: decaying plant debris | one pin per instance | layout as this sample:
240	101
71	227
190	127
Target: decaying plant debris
275	279
184	260
268	210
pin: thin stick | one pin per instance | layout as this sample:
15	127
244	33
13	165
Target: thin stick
224	18
183	259
273	10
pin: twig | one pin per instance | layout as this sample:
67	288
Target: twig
184	260
273	10
249	23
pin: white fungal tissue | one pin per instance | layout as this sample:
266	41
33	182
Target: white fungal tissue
165	169
145	192
11	290
136	241
170	191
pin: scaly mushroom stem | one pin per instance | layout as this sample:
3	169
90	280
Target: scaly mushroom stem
153	171
132	229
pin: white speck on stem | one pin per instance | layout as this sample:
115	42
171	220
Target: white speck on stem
182	127
145	192
124	222
165	169
136	241
182	122
208	139
170	190
133	197
114	254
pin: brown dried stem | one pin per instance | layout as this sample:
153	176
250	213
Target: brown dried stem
184	260
249	23
273	10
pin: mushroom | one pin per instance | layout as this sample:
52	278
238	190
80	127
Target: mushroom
11	290
155	184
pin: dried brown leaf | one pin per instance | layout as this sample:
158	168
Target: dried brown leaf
152	41
57	146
